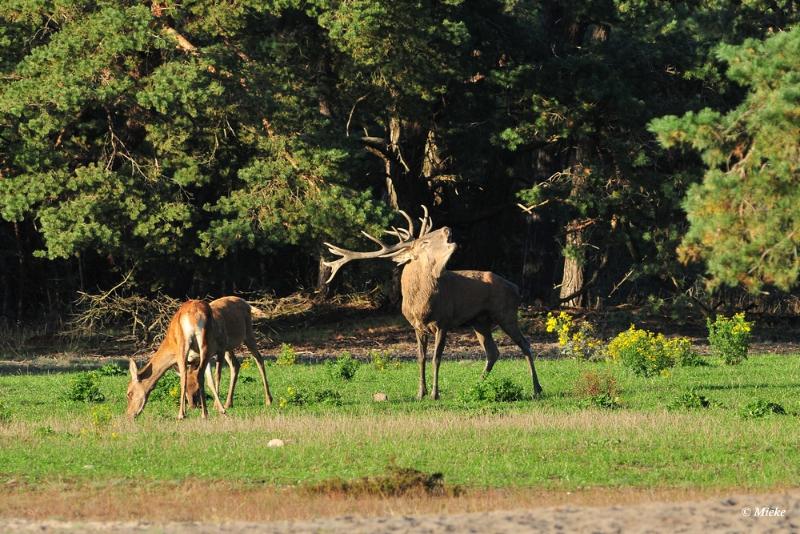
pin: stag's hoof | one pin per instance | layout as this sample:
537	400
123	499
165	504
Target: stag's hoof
435	395
421	395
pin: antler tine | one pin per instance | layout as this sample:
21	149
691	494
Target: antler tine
410	222
427	222
399	233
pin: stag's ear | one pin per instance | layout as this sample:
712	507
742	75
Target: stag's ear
133	369
404	257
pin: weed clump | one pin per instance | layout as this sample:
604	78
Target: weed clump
382	360
296	396
287	355
397	481
761	408
111	369
689	400
729	337
85	387
344	367
489	390
599	390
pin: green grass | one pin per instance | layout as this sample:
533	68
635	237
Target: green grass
554	442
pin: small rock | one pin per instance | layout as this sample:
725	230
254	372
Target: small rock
275	443
380	397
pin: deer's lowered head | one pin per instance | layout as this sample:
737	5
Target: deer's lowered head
137	392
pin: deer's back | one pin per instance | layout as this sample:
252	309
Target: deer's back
232	322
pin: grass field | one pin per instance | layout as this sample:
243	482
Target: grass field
556	442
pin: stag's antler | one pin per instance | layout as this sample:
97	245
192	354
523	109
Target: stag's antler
427	222
405	240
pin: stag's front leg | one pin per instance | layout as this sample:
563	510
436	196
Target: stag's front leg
422	349
441	336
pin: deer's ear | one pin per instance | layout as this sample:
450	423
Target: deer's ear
404	257
133	369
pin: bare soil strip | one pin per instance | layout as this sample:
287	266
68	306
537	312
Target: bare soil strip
195	508
196	504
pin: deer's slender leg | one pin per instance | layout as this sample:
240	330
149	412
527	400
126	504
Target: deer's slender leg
250	343
516	335
181	362
439	342
217	372
484	334
214	387
422	349
233	365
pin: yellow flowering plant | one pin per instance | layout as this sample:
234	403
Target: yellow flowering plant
729	337
646	353
576	341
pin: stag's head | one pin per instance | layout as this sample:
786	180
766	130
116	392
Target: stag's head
137	393
431	248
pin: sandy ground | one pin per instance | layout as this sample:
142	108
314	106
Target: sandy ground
739	513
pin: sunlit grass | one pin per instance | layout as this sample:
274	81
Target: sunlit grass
553	442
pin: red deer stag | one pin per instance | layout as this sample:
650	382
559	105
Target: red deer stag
189	335
233	316
436	300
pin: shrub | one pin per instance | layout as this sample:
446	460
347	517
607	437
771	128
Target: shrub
85	387
294	397
344	367
382	360
690	400
646	353
575	341
760	408
598	389
287	355
328	397
729	337
504	390
111	369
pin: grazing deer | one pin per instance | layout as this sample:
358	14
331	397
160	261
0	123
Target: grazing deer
189	335
436	300
233	317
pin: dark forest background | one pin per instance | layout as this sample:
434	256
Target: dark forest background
593	152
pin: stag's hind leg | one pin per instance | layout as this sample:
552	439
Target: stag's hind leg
422	350
250	342
484	334
233	365
512	329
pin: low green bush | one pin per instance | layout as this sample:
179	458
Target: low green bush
111	369
729	337
85	387
287	355
689	400
760	408
344	367
383	360
489	390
